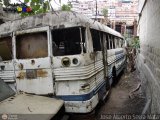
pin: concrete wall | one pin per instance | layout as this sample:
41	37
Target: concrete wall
149	58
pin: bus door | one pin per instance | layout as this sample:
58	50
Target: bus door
105	62
6	61
33	61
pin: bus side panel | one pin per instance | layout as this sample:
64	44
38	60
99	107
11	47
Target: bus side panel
37	78
80	85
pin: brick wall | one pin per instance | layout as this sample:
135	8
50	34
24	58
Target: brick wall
148	61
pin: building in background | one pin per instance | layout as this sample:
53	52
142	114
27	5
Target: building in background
121	14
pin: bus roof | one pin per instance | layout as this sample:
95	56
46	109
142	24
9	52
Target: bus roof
58	19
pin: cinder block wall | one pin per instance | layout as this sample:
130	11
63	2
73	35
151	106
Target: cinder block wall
149	58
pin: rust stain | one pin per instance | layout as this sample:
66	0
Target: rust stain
21	75
41	73
20	66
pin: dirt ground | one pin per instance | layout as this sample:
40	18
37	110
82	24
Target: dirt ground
126	97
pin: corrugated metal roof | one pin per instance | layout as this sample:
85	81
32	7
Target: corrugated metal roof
56	20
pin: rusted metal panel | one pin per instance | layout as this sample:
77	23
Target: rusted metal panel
42	73
21	75
41	84
39	73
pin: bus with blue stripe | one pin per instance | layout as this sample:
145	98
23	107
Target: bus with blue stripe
64	55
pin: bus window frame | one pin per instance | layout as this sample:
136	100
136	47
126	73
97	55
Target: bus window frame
83	48
12	51
32	31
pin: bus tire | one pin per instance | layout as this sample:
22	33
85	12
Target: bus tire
114	77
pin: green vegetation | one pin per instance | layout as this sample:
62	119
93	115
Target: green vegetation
135	42
6	2
66	7
1	3
37	6
105	12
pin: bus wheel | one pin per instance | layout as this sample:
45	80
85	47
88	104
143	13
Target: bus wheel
114	77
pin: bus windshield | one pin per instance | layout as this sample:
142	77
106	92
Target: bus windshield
69	41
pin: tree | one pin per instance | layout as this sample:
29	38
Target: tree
37	6
6	2
105	12
135	43
1	3
66	7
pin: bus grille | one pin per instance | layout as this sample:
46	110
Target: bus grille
7	76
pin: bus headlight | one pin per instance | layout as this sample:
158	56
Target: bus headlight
75	61
66	62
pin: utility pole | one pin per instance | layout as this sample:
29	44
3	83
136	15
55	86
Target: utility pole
96	10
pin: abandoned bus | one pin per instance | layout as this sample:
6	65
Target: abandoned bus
61	54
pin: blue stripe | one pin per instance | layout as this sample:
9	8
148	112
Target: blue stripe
120	68
118	57
99	86
83	97
118	52
88	96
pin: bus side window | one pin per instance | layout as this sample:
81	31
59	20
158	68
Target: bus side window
96	40
68	41
110	41
113	42
121	42
107	42
117	42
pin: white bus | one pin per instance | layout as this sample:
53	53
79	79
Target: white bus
61	54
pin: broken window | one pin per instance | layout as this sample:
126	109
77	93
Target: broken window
96	40
113	40
121	42
107	42
117	42
6	48
110	41
69	41
32	45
